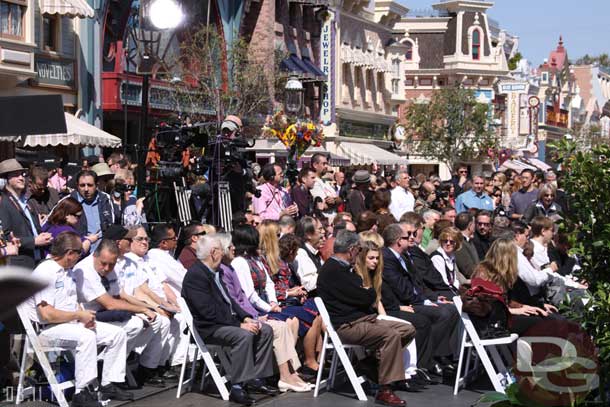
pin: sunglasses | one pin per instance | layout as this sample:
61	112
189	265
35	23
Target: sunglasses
484	224
409	234
200	233
17	174
448	241
171	238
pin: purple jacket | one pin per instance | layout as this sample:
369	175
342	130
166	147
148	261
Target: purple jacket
229	277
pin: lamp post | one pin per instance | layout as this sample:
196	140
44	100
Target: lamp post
294	106
155	17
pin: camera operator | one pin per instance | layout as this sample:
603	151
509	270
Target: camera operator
234	168
127	207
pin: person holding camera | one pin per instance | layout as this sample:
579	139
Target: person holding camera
274	201
127	208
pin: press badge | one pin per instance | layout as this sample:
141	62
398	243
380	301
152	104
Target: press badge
59	284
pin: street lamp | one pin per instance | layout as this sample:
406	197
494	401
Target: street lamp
294	95
155	17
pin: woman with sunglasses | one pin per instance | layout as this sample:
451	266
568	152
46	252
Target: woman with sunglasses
545	205
64	217
443	259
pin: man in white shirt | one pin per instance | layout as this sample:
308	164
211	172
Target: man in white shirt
64	323
152	292
402	200
99	290
323	190
164	241
308	259
130	279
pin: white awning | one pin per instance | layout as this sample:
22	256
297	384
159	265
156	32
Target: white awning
539	164
515	165
78	133
360	153
70	8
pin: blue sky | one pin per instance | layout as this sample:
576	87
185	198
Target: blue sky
584	25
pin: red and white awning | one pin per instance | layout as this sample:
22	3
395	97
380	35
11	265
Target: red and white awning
70	8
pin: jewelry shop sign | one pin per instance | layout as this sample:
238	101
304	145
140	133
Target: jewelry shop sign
55	72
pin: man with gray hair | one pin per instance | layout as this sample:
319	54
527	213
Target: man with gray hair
221	321
350	307
402	199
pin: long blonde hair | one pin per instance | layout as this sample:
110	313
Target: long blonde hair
269	244
370	278
500	265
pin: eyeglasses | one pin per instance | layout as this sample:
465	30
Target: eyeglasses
141	239
78	215
498	195
200	233
448	241
484	224
549	195
463	171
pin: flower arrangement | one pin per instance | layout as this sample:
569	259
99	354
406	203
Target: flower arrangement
297	136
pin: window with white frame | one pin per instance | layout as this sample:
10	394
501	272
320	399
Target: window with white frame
12	14
476	44
395	75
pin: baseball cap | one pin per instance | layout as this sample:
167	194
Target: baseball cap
117	232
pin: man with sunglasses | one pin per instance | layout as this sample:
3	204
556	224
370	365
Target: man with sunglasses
404	297
164	241
482	238
18	217
190	236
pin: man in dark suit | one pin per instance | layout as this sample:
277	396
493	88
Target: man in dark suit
466	257
221	321
17	217
413	305
482	239
350	307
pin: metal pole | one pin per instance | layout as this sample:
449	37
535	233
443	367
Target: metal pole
143	136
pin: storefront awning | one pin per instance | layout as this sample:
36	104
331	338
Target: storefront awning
78	133
539	164
70	8
334	160
515	165
360	153
304	68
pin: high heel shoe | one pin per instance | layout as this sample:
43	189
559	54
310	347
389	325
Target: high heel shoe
284	387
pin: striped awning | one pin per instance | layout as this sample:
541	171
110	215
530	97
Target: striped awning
364	153
70	8
78	133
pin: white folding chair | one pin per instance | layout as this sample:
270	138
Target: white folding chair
470	340
333	342
208	360
32	345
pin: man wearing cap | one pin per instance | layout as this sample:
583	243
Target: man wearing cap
356	198
130	279
98	213
17	216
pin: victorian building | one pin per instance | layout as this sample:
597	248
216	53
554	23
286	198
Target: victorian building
454	45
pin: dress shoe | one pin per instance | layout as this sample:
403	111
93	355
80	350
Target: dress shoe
387	397
259	387
85	398
431	378
240	396
167	374
148	377
446	363
284	387
408	386
113	392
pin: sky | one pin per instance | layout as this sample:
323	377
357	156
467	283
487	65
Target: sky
584	24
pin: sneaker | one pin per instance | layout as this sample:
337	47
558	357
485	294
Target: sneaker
85	398
113	392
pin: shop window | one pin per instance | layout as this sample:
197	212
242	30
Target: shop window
395	86
12	17
50	32
476	45
409	52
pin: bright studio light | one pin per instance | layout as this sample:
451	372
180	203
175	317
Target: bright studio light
165	14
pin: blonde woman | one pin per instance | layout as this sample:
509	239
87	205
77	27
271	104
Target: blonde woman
443	258
269	231
501	268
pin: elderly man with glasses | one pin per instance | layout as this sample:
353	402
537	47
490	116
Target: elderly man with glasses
18	217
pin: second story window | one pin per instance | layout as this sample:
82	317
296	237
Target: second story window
50	27
476	45
11	18
409	53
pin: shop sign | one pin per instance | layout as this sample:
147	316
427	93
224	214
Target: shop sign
326	59
348	128
56	72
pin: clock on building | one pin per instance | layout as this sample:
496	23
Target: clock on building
533	101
